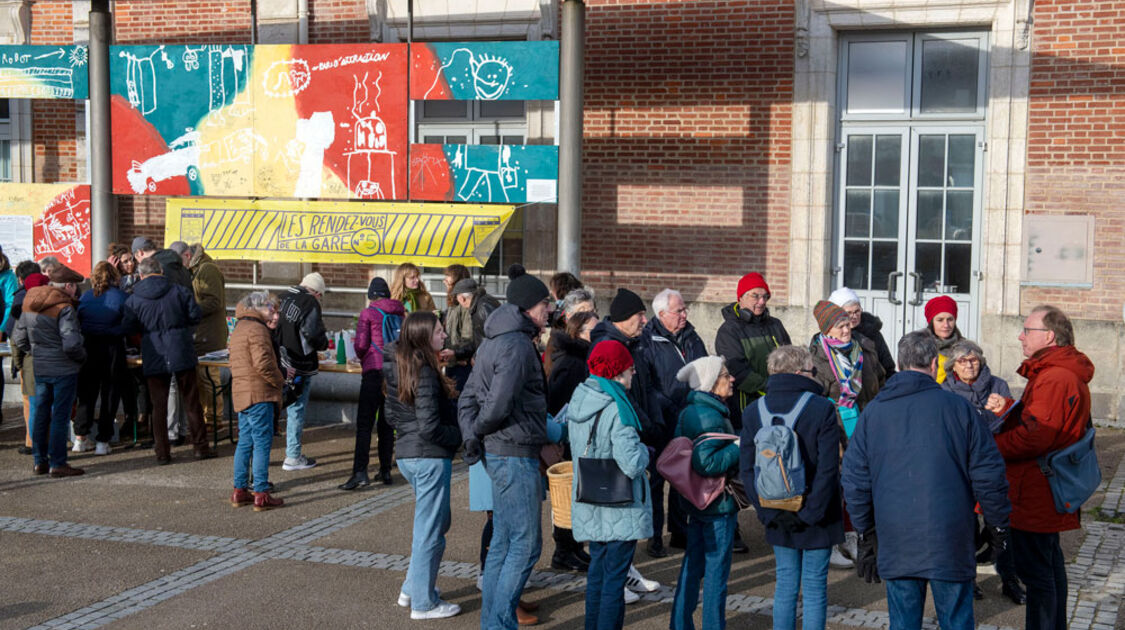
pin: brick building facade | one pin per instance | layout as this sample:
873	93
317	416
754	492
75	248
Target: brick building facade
719	137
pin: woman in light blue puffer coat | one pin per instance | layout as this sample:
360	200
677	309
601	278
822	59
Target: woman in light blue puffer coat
601	406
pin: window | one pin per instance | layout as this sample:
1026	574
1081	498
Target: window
901	76
5	141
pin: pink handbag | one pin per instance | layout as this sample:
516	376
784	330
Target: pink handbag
674	464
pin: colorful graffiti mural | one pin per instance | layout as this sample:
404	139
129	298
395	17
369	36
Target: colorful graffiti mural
39	220
44	72
484	173
485	71
325	121
339	232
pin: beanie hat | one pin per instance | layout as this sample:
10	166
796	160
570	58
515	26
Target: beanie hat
843	296
314	282
378	289
35	280
828	315
63	274
752	280
625	305
940	304
609	358
464	285
525	290
142	244
701	373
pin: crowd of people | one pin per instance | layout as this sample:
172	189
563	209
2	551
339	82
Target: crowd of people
911	472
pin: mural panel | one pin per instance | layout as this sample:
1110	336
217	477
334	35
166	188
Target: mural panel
484	173
485	71
39	220
44	72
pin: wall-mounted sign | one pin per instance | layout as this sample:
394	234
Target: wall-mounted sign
39	220
484	173
485	71
327	121
433	235
44	72
1058	250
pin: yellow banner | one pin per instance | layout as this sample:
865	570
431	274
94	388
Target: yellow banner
432	235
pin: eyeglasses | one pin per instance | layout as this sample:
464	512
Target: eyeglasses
810	371
759	297
679	311
1026	330
967	360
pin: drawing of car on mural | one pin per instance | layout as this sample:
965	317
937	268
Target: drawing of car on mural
183	159
64	232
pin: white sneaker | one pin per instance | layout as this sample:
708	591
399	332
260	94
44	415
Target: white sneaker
480	583
102	448
850	548
81	445
637	582
631	597
404	599
299	463
441	611
838	560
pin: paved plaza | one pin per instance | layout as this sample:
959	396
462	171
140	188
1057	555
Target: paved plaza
133	545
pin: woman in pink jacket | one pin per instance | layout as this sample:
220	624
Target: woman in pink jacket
369	344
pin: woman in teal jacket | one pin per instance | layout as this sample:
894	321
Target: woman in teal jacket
710	531
600	406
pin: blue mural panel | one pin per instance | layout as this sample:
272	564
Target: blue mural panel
485	71
44	72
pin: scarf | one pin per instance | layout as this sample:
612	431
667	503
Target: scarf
410	299
625	410
846	362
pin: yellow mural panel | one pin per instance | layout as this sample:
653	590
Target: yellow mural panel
433	235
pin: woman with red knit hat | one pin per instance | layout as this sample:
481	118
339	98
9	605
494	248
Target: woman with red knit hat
941	322
602	424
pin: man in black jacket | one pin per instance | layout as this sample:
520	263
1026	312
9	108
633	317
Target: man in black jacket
625	323
503	412
671	343
166	314
302	335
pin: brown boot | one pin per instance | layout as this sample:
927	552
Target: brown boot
528	606
263	501
525	618
241	497
67	470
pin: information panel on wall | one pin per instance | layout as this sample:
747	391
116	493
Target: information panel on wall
339	232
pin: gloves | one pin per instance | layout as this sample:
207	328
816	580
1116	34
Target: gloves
999	538
474	450
866	565
788	522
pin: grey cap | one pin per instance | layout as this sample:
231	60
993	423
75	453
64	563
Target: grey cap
143	244
465	285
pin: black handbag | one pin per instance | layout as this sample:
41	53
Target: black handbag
600	481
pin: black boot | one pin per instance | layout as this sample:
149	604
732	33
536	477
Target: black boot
567	561
1014	591
656	547
978	594
356	481
738	546
385	475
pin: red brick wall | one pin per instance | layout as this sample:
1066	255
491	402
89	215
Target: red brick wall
178	22
338	22
53	133
1076	140
687	145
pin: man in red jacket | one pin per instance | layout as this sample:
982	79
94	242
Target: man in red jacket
1055	414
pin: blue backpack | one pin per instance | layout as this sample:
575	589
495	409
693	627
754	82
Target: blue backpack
392	326
779	471
1072	473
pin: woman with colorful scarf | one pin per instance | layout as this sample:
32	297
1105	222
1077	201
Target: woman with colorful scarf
407	287
600	409
847	365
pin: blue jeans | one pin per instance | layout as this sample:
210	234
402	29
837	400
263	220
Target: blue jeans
906	597
295	421
801	570
255	436
54	400
605	584
706	559
517	494
430	478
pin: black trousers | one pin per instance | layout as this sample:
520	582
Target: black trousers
677	518
100	378
1042	568
371	414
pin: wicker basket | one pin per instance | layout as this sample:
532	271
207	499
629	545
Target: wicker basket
559	478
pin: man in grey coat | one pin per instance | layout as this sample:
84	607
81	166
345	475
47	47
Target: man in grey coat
503	412
49	330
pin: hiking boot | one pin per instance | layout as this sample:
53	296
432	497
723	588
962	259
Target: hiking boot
241	497
263	501
66	470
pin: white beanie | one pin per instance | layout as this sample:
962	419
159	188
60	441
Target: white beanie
701	373
314	282
843	296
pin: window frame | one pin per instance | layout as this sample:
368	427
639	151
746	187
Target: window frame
982	38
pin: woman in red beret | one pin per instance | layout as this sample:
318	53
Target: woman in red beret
941	318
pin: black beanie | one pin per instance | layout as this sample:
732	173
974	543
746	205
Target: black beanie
625	305
525	291
378	289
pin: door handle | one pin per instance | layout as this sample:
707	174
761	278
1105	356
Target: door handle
891	287
917	301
